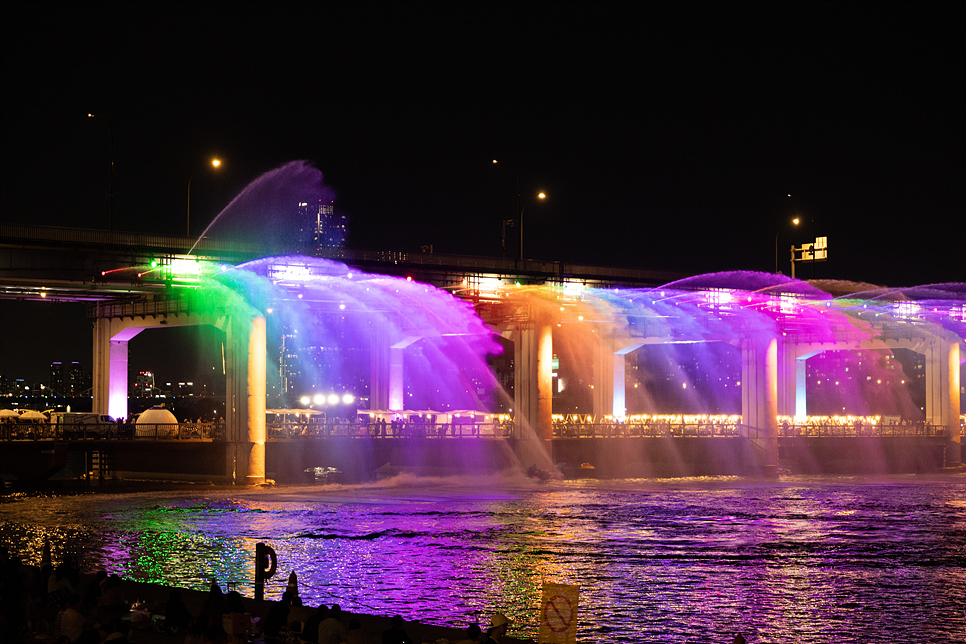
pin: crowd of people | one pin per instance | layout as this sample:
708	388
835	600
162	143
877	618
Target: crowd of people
57	604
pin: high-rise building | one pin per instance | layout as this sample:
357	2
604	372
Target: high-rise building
322	228
288	366
144	385
66	378
58	378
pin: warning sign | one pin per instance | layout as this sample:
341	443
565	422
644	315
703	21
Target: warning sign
558	614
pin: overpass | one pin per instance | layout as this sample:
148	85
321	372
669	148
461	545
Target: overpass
134	281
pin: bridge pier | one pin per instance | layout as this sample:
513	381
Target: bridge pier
245	400
759	394
942	392
110	378
533	377
245	364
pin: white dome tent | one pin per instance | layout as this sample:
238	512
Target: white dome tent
156	422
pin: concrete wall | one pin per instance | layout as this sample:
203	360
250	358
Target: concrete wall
362	460
658	457
862	455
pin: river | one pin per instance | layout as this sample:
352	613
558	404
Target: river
800	559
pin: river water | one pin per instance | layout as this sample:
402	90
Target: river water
801	559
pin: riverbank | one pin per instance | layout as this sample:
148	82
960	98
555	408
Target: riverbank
155	596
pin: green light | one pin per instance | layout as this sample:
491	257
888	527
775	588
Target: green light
154	263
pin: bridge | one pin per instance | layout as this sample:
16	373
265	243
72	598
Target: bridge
134	281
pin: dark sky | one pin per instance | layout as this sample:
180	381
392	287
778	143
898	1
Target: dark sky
666	135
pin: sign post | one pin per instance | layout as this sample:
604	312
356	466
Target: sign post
558	614
814	252
265	564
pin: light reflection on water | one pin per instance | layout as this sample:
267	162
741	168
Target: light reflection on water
689	560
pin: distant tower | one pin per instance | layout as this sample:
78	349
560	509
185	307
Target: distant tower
75	379
322	229
288	367
66	379
58	379
144	385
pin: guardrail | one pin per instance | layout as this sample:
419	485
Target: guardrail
294	431
734	430
107	431
820	430
305	431
623	430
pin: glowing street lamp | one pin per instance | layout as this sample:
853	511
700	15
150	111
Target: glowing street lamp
520	207
795	222
215	163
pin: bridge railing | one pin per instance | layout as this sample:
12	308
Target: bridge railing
106	431
819	430
294	430
734	430
658	429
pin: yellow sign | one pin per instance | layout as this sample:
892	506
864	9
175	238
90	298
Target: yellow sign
558	614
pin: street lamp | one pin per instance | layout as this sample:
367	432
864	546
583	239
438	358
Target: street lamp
795	222
110	195
215	163
520	207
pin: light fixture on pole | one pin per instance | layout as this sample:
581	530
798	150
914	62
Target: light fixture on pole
795	222
215	163
520	208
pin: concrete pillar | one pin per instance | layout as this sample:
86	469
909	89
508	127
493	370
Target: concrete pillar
787	380
110	382
620	348
102	366
759	395
545	382
397	357
245	398
606	389
942	392
397	361
801	407
533	378
256	401
378	371
117	396
619	394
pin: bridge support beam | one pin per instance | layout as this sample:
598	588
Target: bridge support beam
606	368
611	365
533	378
787	381
378	370
942	392
759	395
110	378
245	401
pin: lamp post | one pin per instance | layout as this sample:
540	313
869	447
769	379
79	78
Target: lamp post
520	208
110	195
795	222
215	163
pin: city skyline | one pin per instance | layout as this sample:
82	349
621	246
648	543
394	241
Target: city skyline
668	137
664	136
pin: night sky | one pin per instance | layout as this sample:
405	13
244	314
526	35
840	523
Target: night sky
666	135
